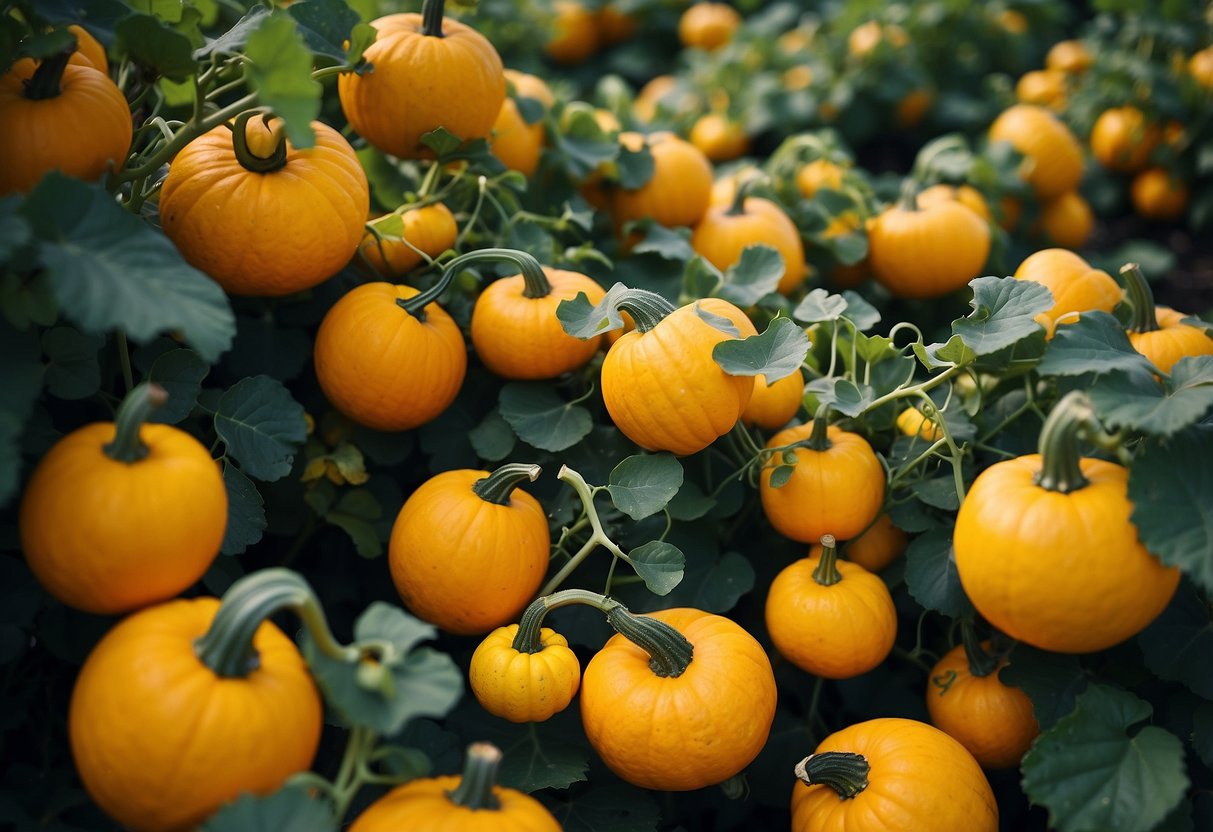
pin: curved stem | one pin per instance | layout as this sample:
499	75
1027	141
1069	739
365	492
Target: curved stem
981	663
743	190
597	538
826	573
45	82
530	625
244	155
819	439
646	308
431	18
227	647
843	771
134	411
415	305
499	485
670	653
1060	468
535	282
1145	319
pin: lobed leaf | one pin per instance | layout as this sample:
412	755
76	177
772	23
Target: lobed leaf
776	353
541	418
291	807
246	520
931	574
279	70
755	275
1004	312
1177	645
180	372
1095	343
262	426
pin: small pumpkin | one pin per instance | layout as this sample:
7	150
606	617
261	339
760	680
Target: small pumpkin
430	72
720	138
836	487
773	405
184	706
727	230
1067	220
1045	87
913	422
818	174
1200	67
1054	158
520	684
864	38
708	26
614	25
72	119
892	773
1122	139
471	802
483	576
1158	332
122	514
400	240
574	33
260	216
517	144
1070	56
876	548
966	195
1157	195
1046	551
525	85
678	192
680	706
912	108
1076	287
831	618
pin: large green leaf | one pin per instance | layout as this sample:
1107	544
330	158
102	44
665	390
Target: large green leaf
659	564
279	70
819	305
110	270
776	353
159	48
1178	644
1051	680
290	808
1094	772
755	275
644	484
541	418
246	519
931	574
541	755
72	371
324	25
262	426
1004	312
1139	402
180	373
1095	343
613	807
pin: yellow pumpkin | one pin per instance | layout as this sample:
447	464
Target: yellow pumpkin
1076	287
678	192
1122	139
1067	220
708	26
727	230
1157	195
720	138
429	230
524	678
1071	56
1046	87
1054	157
1158	332
927	252
772	405
574	33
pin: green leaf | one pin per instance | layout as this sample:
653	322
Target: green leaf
582	319
666	243
180	372
110	270
690	503
842	394
931	574
635	167
863	314
1202	732
1095	343
954	353
939	492
356	513
233	40
754	276
1139	402
1171	488
325	25
72	372
1177	645
724	583
776	353
14	230
1051	680
700	279
613	807
291	807
389	622
492	439
246	519
262	426
1092	775
541	418
541	755
582	142
279	70
361	37
659	564
644	484
718	322
159	49
819	305
1004	312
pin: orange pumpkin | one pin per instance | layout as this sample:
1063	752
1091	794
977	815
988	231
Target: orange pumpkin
1076	287
513	141
927	253
1067	220
1158	332
772	405
877	547
720	138
1157	195
726	230
1122	139
574	33
1046	87
89	52
678	192
401	239
818	174
1071	56
1054	157
708	26
966	195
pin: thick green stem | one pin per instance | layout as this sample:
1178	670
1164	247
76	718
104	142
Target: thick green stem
499	485
431	18
251	161
1060	468
819	438
843	771
475	789
646	308
535	282
415	305
737	208
1145	319
669	651
134	411
527	639
908	201
826	573
981	663
45	82
227	647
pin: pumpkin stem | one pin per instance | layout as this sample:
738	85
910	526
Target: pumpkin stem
1145	319
819	438
227	647
475	789
646	308
536	284
909	196
739	197
245	156
1059	456
416	305
669	651
826	573
135	409
431	18
45	82
843	771
497	486
981	663
527	639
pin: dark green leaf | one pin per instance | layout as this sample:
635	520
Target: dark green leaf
543	755
583	142
492	439
279	70
1171	488
700	279
1202	732
819	305
356	513
245	512
441	141
690	503
776	353
325	25
72	371
931	574
1004	312
939	492
635	167
288	808
1051	680
724	583
159	48
1092	775
262	426
954	353
44	44
232	41
644	484
1177	645
842	394
26	301
1139	402
610	808
180	372
541	418
109	270
659	564
754	276
666	243
14	230
1095	343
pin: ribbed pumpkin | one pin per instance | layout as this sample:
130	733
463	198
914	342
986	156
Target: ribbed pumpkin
524	684
1067	220
89	52
928	252
430	72
119	515
726	230
1157	195
1076	287
403	237
513	141
1054	157
1122	139
877	547
966	195
469	548
771	406
59	116
1158	332
265	218
680	189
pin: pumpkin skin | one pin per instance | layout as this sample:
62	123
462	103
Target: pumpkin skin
921	780
1122	140
1062	572
913	422
1076	287
498	557
930	252
382	367
876	548
966	195
1045	87
1067	220
818	174
266	234
708	26
521	338
771	407
663	389
837	631
79	132
685	732
430	228
1054	157
89	51
1070	56
524	687
513	141
837	491
1159	196
992	720
106	536
421	83
161	741
680	189
721	237
1172	340
720	138
531	86
575	33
